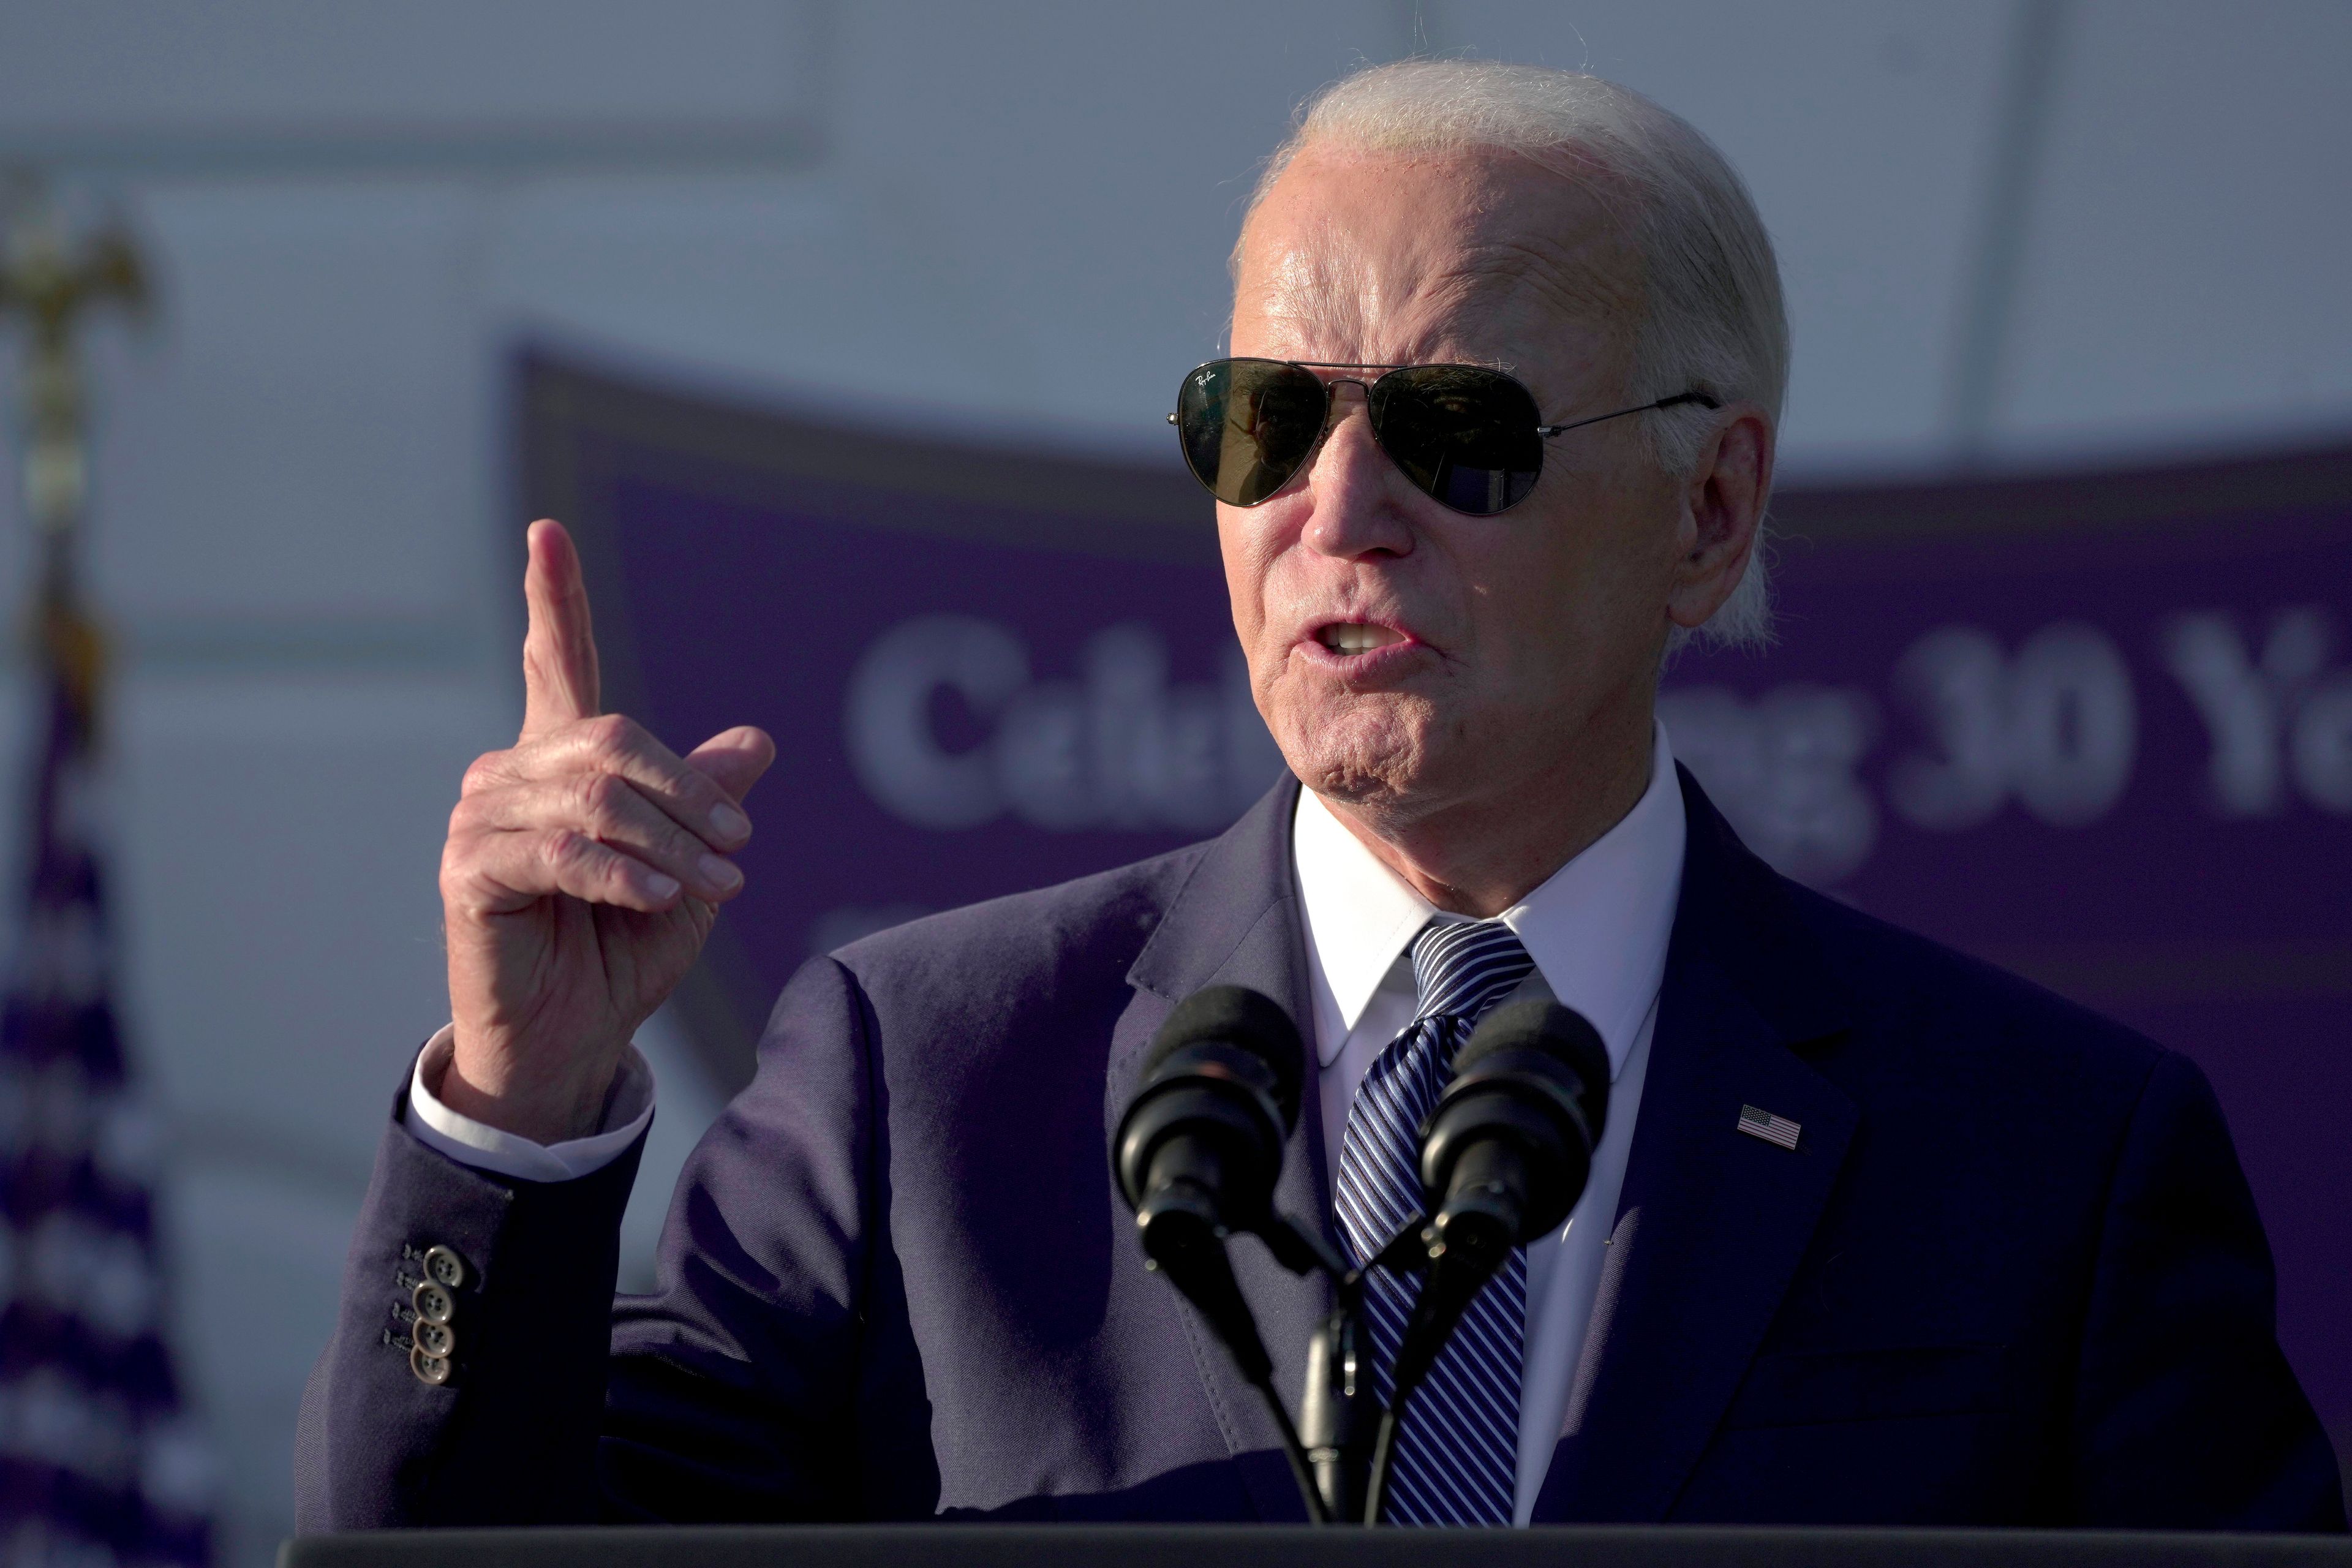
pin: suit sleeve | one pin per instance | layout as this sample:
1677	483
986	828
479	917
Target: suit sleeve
770	1375
2187	1413
503	1430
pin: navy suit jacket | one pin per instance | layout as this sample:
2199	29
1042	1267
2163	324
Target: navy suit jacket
2011	1274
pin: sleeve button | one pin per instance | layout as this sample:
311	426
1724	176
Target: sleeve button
438	1340
433	1304
444	1267
431	1369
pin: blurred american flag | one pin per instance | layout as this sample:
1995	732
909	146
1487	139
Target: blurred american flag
99	1463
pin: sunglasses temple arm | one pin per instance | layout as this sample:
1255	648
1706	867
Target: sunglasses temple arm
1677	401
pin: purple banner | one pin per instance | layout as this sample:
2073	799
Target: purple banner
2095	728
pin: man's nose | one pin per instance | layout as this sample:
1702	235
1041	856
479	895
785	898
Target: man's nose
1354	488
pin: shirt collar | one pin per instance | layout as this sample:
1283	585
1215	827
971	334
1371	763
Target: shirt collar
1597	927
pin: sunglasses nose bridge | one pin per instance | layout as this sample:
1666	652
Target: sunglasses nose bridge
1335	408
1369	468
1373	420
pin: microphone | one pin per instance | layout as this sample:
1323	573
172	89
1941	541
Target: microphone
1198	1151
1508	1147
1196	1156
1505	1155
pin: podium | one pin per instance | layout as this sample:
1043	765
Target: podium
1295	1546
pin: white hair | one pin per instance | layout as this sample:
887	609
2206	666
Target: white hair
1713	318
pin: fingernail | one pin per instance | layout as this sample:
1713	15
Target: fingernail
728	823
719	874
659	886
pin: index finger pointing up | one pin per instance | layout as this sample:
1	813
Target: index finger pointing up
558	651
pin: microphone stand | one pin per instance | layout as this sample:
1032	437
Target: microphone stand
1459	1259
1343	1444
1348	1436
1183	1240
1338	1410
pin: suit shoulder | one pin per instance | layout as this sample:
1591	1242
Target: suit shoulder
1092	919
1920	997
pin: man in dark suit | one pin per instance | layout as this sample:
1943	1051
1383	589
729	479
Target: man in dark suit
1874	1233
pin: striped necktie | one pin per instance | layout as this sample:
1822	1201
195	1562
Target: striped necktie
1457	1457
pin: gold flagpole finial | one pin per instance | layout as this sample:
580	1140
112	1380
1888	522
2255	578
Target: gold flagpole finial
50	283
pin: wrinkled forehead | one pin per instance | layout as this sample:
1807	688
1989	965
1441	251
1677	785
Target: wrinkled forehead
1392	258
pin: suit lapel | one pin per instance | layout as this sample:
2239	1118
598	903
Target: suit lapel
1236	923
1711	1223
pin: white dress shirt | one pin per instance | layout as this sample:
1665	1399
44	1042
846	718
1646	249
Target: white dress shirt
628	1111
1597	930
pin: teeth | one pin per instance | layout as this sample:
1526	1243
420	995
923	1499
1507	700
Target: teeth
1354	637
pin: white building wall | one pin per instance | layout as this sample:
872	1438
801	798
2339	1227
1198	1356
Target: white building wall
1006	220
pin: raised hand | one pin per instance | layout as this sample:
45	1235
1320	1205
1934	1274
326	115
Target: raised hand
584	869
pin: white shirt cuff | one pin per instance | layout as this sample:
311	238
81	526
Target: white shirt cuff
628	1112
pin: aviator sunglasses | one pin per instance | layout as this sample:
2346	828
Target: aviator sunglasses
1468	438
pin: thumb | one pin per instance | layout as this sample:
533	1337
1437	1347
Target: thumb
559	649
734	759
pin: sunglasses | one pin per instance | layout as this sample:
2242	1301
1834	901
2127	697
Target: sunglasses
1467	438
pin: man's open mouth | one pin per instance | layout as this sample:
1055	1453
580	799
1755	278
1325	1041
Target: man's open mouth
1355	636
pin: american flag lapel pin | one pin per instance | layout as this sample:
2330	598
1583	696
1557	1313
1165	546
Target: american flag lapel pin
1770	1128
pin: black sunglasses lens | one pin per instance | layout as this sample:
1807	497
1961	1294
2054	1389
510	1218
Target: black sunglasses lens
1466	437
1248	425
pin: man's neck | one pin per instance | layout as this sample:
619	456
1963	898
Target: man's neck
1481	855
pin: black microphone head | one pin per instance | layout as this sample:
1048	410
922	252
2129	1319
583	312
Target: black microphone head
1520	1119
1216	1098
1547	1030
1245	1020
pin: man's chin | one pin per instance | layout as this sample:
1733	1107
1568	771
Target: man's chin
1359	759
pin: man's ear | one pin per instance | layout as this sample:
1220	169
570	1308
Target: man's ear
1723	509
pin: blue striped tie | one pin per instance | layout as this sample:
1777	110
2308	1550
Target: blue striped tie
1457	1455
